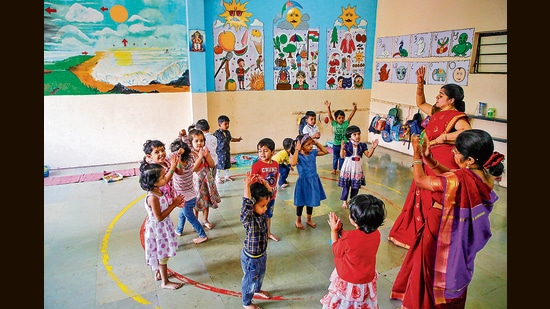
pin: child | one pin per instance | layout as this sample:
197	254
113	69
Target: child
159	239
210	141
155	152
308	191
311	127
207	191
353	280
268	169
339	126
351	174
257	194
224	148
283	158
182	182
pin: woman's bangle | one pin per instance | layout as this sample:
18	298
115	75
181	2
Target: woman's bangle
436	165
171	171
418	161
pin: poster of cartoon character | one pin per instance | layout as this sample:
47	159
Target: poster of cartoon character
384	47
238	49
346	43
461	42
295	48
458	72
436	73
401	46
441	44
400	72
420	45
382	73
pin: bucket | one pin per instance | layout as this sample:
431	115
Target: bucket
480	111
491	112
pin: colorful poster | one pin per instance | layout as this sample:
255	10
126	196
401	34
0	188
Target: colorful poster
420	45
384	47
383	70
295	48
196	43
346	44
412	71
436	73
400	72
440	44
461	42
238	50
401	46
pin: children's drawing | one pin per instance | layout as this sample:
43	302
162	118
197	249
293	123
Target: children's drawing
436	73
295	48
458	72
401	46
400	72
97	47
441	44
384	47
383	70
238	47
346	43
420	45
461	42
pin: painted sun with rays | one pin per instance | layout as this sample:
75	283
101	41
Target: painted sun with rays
235	14
349	17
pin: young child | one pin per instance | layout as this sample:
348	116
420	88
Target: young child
210	141
311	127
268	169
351	174
283	158
353	280
339	126
257	194
207	191
223	150
155	152
159	238
308	191
182	182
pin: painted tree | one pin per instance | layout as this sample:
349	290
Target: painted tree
334	37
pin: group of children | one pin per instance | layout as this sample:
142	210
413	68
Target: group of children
196	165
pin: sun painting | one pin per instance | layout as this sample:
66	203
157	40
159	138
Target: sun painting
349	17
235	14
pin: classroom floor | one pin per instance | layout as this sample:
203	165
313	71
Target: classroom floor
93	256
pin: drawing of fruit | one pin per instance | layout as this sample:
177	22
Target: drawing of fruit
230	85
226	40
218	50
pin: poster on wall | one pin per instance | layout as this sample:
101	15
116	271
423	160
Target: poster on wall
346	44
238	49
401	46
384	47
436	73
400	72
458	72
295	49
420	45
96	47
461	42
412	71
382	73
440	44
196	42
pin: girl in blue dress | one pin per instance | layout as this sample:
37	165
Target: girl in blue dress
308	191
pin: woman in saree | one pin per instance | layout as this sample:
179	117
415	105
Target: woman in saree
446	120
440	262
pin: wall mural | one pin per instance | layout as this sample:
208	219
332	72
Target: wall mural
95	47
346	44
238	49
296	49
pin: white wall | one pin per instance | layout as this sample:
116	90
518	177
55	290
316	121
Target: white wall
110	128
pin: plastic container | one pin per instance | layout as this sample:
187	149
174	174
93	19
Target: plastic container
46	170
491	112
245	160
481	109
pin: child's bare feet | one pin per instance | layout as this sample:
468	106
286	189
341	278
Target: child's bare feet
171	285
299	225
158	277
263	294
333	172
311	223
273	237
345	204
199	240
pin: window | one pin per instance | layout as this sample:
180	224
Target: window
491	53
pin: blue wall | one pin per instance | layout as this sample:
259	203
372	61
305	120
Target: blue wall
323	14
